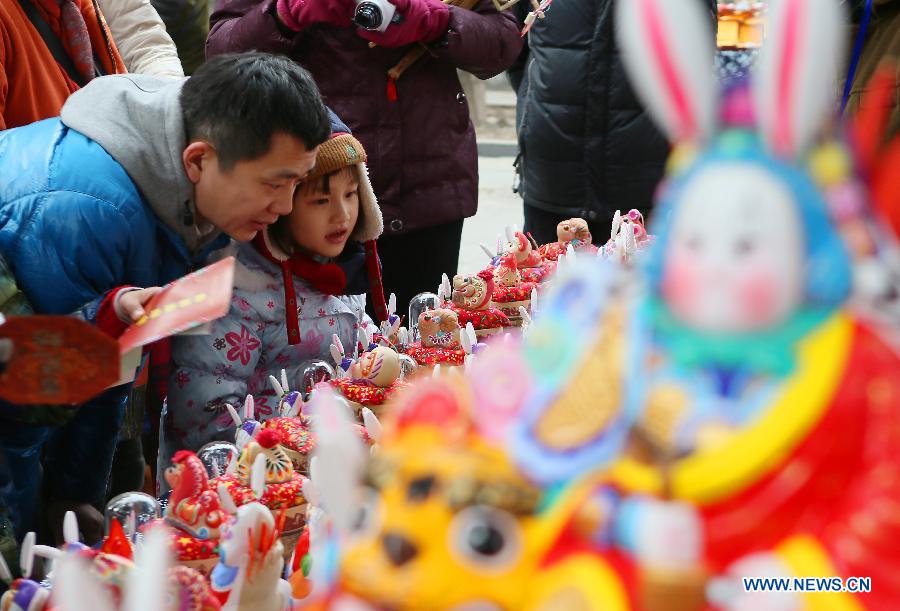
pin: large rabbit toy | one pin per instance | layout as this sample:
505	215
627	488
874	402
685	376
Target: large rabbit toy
749	420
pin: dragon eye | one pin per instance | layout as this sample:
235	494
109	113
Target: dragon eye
486	537
420	488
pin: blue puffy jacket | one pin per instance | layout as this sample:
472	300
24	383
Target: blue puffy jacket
73	225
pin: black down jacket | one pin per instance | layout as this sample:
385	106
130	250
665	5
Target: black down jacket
586	146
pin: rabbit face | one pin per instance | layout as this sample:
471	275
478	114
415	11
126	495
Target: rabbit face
734	262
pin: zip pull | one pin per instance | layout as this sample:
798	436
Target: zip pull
392	89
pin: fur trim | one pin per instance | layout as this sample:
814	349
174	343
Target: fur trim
252	281
373	223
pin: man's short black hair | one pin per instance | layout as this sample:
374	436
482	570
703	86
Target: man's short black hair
237	102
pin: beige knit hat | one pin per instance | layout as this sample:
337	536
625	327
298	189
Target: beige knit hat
340	151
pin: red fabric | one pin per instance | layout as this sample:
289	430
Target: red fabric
834	486
376	286
107	319
32	85
327	278
300	14
491	318
290	305
391	89
78	39
423	21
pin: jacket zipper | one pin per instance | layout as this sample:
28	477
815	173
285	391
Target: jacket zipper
519	186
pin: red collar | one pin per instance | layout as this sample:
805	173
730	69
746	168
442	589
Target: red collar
327	278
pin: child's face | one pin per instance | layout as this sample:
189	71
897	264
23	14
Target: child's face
321	222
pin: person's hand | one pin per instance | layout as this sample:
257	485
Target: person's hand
423	21
90	521
130	304
300	14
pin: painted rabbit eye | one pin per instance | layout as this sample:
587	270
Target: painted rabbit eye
694	243
486	537
744	247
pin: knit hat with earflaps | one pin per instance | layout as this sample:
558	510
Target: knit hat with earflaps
340	151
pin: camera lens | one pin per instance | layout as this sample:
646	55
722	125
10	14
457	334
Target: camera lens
368	16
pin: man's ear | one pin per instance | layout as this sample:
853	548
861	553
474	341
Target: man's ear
196	157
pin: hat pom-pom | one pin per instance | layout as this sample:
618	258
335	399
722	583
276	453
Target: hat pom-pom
268	438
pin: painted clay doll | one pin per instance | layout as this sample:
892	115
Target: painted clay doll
471	301
440	340
627	237
371	380
283	486
529	260
574	232
193	512
510	291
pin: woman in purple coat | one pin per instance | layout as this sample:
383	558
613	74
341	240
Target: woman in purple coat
416	129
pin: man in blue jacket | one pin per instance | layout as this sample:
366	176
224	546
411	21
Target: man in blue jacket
133	186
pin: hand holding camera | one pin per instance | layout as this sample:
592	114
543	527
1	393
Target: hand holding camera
402	22
385	22
298	15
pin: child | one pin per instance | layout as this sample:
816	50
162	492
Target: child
300	281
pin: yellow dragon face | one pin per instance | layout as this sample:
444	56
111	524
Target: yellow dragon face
445	526
451	523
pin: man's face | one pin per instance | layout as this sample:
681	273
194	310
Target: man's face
253	193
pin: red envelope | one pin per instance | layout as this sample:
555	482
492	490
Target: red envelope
187	303
56	360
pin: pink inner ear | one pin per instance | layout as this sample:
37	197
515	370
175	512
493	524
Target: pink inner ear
686	126
783	141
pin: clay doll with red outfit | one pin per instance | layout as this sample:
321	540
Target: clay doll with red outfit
299	283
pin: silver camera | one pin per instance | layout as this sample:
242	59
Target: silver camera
374	15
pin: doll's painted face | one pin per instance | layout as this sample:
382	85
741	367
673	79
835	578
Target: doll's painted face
380	366
735	258
325	213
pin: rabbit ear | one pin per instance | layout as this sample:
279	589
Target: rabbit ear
77	587
234	415
526	317
5	574
372	424
26	554
466	342
249	408
336	354
258	476
487	251
668	50
284	381
70	527
793	87
392	303
616	223
146	583
276	386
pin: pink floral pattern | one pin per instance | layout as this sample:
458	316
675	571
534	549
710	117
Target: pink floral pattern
242	345
271	305
330	322
182	378
243	304
321	311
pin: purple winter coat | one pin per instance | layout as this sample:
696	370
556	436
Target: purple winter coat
421	147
